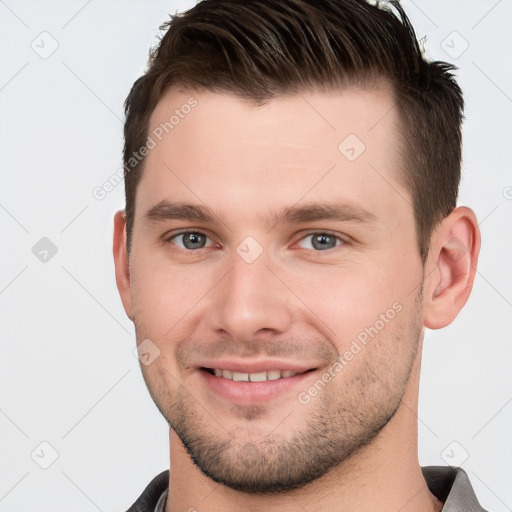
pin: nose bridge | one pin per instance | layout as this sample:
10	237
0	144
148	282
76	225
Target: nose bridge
250	299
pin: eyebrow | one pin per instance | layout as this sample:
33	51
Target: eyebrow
165	210
341	212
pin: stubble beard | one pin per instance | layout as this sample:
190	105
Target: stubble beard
341	420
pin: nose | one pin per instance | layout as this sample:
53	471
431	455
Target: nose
249	302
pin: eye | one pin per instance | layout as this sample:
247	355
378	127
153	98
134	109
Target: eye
191	240
320	241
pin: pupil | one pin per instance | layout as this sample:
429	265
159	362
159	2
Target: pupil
193	240
323	242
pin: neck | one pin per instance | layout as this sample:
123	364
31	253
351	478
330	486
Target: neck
384	476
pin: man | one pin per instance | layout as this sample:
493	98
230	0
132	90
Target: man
291	229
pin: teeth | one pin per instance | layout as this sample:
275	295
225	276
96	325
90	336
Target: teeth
258	377
239	377
254	377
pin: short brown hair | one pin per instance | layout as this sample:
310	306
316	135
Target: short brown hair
260	49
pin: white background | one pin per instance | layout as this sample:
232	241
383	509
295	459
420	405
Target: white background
68	375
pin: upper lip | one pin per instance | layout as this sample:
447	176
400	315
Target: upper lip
236	365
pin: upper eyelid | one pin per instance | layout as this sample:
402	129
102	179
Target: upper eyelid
183	232
321	232
169	236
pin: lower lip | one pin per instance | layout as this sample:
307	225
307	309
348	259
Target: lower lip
250	393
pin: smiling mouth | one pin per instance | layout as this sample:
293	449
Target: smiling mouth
263	376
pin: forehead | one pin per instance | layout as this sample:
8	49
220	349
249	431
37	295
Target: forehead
309	114
342	143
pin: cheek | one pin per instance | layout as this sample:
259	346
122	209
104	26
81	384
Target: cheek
341	301
349	299
163	294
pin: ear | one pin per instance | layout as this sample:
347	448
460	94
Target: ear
121	262
450	267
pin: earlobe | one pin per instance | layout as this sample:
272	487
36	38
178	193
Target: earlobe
121	262
453	258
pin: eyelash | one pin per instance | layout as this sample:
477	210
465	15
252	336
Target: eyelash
312	233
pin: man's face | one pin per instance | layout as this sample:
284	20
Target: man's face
305	278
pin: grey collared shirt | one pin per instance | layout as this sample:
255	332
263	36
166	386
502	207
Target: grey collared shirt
450	485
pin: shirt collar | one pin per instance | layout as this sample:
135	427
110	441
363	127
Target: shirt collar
450	485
